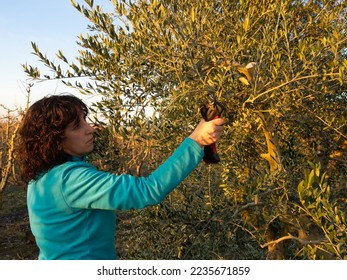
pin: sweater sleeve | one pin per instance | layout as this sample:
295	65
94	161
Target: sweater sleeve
83	186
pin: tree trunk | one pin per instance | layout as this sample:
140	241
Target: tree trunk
5	173
273	156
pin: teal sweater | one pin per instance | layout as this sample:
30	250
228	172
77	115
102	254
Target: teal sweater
71	207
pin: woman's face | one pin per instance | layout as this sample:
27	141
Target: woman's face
78	140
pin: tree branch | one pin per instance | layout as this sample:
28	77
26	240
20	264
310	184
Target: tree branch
325	122
284	84
289	236
248	205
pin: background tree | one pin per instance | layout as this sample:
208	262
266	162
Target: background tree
9	126
283	110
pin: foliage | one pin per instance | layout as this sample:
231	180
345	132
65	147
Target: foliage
154	63
315	198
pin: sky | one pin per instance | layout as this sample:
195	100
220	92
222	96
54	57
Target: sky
53	25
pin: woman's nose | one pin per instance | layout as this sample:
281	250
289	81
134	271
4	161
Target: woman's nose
91	128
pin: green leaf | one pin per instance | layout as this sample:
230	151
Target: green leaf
245	24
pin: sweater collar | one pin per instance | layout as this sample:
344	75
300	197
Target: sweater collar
76	158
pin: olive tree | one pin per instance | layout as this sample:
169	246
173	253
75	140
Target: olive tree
278	67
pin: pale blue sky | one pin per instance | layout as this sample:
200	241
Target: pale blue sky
53	25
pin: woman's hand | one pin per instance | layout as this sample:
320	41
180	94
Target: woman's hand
207	133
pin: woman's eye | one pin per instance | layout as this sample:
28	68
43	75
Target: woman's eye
77	125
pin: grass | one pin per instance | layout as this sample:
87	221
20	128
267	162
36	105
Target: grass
16	242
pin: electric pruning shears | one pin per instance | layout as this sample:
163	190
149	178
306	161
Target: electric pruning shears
210	110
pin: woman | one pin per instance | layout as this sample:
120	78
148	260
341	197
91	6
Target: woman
70	202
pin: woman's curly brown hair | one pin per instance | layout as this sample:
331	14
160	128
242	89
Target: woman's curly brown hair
42	131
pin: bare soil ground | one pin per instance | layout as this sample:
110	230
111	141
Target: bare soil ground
16	241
